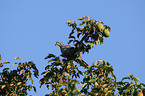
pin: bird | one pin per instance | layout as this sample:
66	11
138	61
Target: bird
71	54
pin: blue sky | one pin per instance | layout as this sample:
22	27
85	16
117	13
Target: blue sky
30	28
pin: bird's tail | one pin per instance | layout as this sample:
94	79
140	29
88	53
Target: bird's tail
81	62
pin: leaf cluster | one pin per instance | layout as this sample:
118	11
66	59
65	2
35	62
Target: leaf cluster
14	82
87	33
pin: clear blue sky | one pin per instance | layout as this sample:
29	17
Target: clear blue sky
30	28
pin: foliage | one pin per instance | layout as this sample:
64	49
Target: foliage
98	79
64	77
14	82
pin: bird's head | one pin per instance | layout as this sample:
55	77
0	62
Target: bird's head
58	43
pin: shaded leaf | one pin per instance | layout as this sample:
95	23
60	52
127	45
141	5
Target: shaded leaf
5	69
49	56
70	41
34	88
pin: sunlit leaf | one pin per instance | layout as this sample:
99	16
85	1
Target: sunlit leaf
80	19
15	64
138	79
69	21
3	86
6	62
0	57
18	83
47	72
84	84
91	45
129	75
17	58
30	78
22	71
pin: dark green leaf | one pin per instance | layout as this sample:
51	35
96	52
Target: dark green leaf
5	69
78	34
34	88
49	56
72	37
70	41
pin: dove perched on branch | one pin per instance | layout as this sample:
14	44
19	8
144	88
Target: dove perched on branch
70	53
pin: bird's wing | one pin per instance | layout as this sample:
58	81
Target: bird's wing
67	51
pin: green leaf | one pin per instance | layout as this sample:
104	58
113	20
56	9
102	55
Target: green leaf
69	21
15	64
70	41
129	75
22	71
79	19
49	56
3	86
72	37
0	57
17	58
125	78
30	78
5	69
101	40
84	85
34	88
138	79
6	62
92	45
18	83
51	60
78	34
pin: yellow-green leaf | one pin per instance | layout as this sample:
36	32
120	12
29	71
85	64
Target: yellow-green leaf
15	64
91	45
0	57
79	19
138	79
30	78
6	62
22	71
17	58
84	84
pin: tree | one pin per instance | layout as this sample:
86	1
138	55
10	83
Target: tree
62	74
15	82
